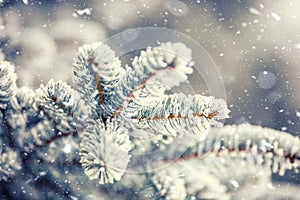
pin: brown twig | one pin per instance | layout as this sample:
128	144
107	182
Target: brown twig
288	156
171	116
99	86
61	105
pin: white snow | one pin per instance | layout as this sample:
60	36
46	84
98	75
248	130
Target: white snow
254	11
67	148
87	11
276	16
284	128
235	183
261	5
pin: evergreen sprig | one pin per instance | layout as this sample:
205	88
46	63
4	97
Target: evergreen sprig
7	82
119	117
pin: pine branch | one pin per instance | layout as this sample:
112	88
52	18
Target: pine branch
104	151
25	103
7	83
278	150
259	150
172	60
39	119
56	101
100	90
96	70
179	113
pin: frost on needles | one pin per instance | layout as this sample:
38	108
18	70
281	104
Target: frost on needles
56	133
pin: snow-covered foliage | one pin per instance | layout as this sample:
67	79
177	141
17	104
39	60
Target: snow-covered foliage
104	151
87	140
7	83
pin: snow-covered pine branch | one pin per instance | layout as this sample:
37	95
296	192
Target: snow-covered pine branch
48	113
96	70
33	118
56	101
276	149
251	152
104	151
136	95
179	113
157	68
7	82
106	86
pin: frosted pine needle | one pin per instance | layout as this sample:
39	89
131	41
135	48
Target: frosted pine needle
104	152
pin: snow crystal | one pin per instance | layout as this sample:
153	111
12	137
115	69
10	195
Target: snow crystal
254	11
67	148
87	11
266	80
284	128
244	24
43	173
235	183
297	113
276	16
25	2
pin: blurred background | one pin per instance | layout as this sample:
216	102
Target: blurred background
255	45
